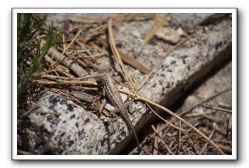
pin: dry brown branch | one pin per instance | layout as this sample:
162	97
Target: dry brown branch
202	114
132	62
179	138
63	93
22	152
155	146
62	59
75	37
63	41
167	122
52	77
128	60
210	136
64	82
165	145
218	109
225	148
204	101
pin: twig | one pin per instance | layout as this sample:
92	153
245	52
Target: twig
167	122
218	109
226	149
222	141
198	113
203	101
132	62
78	33
60	82
22	152
59	91
67	62
225	106
210	136
202	114
128	60
179	139
64	43
166	146
25	114
52	77
155	146
227	126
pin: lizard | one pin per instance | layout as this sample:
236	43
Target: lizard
109	89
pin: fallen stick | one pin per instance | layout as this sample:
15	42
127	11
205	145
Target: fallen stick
67	62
